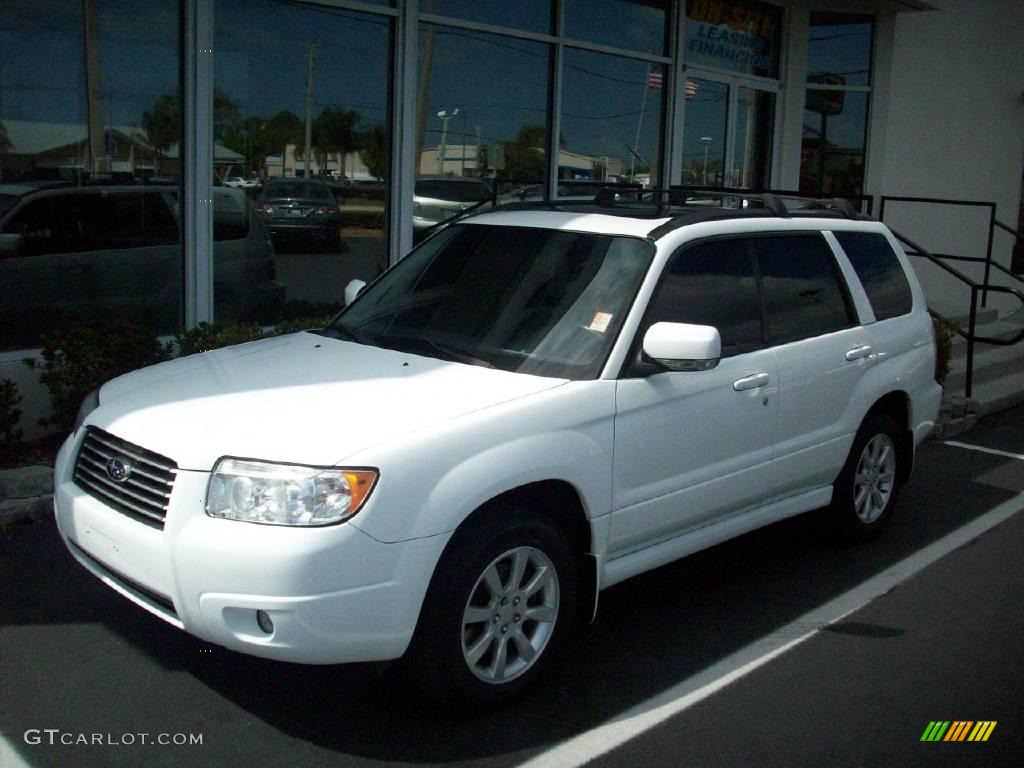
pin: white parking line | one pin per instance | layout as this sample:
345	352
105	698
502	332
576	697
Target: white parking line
646	715
9	757
983	449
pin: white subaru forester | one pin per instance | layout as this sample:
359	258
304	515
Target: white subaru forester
532	406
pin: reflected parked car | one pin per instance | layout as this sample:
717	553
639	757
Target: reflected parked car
76	254
438	198
239	182
301	213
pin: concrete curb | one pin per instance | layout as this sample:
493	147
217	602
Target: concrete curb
26	493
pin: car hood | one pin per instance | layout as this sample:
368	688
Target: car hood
303	398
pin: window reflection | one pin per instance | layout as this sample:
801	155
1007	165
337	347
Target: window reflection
834	136
301	148
534	15
752	145
481	121
89	166
707	109
611	119
638	25
840	46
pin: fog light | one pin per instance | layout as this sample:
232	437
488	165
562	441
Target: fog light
265	622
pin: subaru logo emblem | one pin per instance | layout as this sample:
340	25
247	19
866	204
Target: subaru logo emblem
118	469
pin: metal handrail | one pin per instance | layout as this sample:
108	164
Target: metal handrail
971	335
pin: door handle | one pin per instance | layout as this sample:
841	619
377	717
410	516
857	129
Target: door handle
751	382
858	353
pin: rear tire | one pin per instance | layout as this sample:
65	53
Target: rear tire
500	607
864	495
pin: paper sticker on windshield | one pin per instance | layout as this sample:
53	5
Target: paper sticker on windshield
600	322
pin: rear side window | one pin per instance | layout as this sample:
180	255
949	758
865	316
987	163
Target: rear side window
713	283
880	272
803	292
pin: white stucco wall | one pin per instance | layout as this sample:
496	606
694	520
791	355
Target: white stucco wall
954	128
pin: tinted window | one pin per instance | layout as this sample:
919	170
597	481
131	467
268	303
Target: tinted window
459	191
298	189
802	288
713	283
76	223
230	215
879	271
7	202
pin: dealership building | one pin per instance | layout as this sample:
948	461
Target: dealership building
120	121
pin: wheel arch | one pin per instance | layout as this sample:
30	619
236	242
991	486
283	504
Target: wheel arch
558	501
896	405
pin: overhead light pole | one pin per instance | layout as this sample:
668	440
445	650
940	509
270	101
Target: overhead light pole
445	116
707	143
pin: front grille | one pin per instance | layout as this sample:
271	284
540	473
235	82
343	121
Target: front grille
144	494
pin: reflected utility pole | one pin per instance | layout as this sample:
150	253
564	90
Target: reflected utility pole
92	85
310	57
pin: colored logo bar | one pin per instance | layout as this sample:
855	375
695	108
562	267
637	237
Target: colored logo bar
958	730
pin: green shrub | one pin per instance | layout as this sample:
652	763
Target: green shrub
10	435
77	360
300	324
207	336
944	333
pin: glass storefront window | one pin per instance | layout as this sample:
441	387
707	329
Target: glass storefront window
742	36
839	49
704	136
834	138
611	119
482	121
89	166
292	227
637	25
533	16
836	108
752	142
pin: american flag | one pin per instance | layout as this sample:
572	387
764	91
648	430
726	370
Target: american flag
654	77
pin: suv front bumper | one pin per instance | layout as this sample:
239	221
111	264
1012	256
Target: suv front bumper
334	594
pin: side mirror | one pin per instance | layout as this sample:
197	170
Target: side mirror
683	347
353	289
12	244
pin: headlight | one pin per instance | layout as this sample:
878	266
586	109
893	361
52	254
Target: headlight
89	404
286	494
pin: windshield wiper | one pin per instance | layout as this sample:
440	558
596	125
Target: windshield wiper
447	352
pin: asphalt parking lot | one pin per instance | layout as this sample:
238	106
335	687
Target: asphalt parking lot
778	648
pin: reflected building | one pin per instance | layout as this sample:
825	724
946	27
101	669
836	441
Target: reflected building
372	96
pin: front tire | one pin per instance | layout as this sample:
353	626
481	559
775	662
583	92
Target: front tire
865	492
499	609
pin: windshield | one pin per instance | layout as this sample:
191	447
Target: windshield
539	301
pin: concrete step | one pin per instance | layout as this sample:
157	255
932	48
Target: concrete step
960	318
1002	362
998	381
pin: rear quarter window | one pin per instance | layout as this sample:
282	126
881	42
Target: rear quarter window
879	271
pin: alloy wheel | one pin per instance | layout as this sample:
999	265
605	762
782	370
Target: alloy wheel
875	478
510	615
